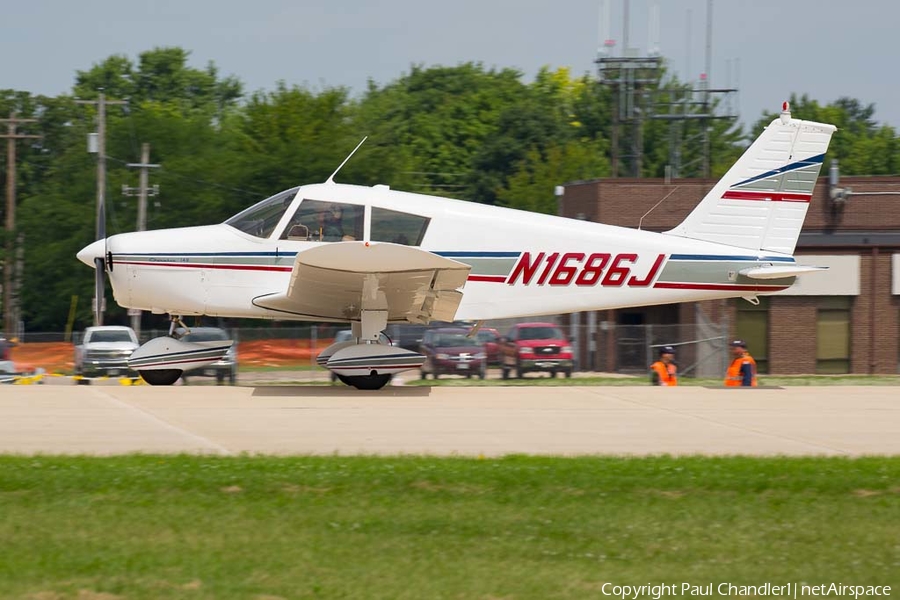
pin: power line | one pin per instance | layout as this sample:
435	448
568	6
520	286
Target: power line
10	297
99	286
143	191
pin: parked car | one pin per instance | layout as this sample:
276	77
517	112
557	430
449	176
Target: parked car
7	366
406	335
104	350
345	335
490	339
226	368
448	351
535	347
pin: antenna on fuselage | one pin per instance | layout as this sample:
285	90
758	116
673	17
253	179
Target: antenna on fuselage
331	179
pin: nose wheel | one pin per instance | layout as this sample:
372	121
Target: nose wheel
160	376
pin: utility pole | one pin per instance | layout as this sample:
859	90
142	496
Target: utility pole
9	264
143	192
100	102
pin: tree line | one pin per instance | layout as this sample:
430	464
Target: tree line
466	131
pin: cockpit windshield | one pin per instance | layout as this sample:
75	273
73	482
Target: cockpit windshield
260	219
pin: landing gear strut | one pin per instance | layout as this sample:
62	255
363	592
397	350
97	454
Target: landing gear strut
173	331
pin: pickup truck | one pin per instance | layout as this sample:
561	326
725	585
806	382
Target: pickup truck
104	350
535	347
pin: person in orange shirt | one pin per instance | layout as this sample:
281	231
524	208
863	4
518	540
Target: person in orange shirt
742	370
664	371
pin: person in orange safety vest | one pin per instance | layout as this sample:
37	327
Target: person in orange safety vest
664	371
742	370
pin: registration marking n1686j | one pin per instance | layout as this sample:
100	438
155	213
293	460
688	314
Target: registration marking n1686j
598	268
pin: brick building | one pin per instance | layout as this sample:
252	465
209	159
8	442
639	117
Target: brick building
846	320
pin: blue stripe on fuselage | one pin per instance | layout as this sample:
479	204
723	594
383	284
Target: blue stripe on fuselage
478	254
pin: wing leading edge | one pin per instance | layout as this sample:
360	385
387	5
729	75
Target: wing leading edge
336	282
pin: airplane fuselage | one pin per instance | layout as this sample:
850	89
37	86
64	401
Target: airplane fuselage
522	264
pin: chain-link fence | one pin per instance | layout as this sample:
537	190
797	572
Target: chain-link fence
701	348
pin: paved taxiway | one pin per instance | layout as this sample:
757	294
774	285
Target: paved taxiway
486	421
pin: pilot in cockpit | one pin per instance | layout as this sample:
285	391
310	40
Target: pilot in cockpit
333	224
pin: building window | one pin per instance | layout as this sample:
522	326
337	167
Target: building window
833	334
753	327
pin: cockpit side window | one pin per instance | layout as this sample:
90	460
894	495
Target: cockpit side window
398	227
260	219
322	221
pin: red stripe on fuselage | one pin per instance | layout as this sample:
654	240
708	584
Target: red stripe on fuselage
491	278
205	266
763	196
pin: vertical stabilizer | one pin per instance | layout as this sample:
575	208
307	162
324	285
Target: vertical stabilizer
760	204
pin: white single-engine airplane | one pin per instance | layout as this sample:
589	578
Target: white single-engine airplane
371	256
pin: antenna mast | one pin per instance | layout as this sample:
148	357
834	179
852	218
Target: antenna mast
331	179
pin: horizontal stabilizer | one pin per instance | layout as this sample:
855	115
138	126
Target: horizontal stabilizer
780	271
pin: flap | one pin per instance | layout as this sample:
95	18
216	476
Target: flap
334	282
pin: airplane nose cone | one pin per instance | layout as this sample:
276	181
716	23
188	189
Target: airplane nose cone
92	251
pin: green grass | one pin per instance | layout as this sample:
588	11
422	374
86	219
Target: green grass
422	528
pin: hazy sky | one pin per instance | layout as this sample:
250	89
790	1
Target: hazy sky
825	49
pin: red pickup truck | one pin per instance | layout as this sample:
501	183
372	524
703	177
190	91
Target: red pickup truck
535	347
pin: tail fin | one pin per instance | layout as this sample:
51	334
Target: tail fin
762	201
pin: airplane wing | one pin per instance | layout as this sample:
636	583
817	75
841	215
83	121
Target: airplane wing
336	281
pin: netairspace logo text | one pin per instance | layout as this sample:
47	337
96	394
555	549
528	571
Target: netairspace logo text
789	590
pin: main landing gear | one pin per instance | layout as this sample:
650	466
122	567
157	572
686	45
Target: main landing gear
364	363
373	381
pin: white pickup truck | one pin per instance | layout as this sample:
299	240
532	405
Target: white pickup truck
104	350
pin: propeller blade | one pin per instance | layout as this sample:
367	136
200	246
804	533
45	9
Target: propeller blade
100	264
99	289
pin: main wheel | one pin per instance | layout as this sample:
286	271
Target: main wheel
368	382
160	376
344	379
